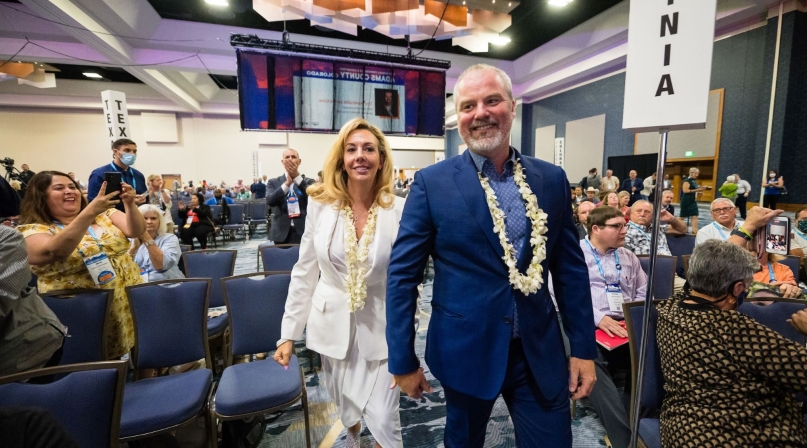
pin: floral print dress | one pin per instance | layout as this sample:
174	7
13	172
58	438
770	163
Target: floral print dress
71	273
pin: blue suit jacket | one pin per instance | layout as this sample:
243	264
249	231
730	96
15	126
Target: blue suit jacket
446	216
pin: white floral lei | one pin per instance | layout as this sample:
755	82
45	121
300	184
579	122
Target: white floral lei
356	253
530	283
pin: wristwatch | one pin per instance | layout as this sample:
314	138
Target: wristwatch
741	234
149	243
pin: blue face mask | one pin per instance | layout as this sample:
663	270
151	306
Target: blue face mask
128	159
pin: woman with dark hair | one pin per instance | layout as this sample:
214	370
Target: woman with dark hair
197	221
773	189
76	245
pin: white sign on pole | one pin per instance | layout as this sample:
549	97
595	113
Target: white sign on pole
669	64
560	151
256	164
116	116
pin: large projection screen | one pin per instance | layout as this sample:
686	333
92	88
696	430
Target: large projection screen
312	93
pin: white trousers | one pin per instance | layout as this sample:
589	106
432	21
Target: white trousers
360	387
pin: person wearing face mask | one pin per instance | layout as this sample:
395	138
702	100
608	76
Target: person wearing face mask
798	244
124	154
729	379
773	190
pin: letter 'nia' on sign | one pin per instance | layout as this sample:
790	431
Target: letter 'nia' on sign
671	26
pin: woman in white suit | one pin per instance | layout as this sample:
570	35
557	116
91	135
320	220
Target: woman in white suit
338	286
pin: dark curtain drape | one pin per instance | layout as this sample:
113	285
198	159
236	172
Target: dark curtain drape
644	164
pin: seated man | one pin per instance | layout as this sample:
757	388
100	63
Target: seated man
591	195
218	198
798	244
724	215
581	216
615	277
666	204
640	232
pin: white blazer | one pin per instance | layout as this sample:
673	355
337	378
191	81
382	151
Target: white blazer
315	281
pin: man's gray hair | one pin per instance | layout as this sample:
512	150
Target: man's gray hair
639	202
503	77
716	265
150	208
712	206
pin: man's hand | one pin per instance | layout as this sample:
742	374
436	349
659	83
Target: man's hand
799	321
612	328
581	377
666	216
291	168
758	217
413	384
140	199
289	179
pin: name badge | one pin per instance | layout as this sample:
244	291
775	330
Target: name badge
100	268
615	298
144	275
293	205
189	221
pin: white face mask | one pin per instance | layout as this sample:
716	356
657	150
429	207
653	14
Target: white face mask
772	175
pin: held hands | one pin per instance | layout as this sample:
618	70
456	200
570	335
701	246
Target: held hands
103	201
283	354
612	328
581	377
413	384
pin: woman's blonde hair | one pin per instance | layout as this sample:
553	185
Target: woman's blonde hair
149	208
622	194
333	189
152	177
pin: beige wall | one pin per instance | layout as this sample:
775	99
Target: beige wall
210	147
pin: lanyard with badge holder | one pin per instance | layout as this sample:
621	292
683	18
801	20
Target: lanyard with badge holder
293	202
99	266
613	292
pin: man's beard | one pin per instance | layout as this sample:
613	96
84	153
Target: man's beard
487	144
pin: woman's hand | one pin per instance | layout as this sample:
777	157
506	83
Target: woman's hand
788	290
128	196
799	321
283	354
103	201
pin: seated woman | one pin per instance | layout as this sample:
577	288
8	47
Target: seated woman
730	381
76	245
777	274
197	221
156	251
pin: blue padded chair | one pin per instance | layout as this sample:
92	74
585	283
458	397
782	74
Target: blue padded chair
255	306
215	265
279	257
257	215
236	221
653	385
775	315
86	400
679	246
169	326
85	313
664	281
792	262
181	264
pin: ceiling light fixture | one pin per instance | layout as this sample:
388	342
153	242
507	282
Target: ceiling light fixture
92	75
559	3
500	40
217	2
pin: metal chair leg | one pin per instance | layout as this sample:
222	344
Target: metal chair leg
305	412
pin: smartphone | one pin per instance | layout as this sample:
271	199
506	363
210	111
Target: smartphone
113	181
777	236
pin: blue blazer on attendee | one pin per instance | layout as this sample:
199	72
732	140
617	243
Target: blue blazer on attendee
628	185
446	216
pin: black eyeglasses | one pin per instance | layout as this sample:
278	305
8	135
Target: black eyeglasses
617	227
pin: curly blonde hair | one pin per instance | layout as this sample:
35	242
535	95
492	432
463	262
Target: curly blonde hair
333	189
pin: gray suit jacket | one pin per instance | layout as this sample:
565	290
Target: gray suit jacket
276	200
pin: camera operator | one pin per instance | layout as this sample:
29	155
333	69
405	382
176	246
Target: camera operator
24	177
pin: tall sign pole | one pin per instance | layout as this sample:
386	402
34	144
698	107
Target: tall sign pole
669	68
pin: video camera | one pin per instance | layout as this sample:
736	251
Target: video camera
9	164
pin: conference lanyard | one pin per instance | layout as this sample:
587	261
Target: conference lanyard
640	230
134	181
720	231
599	265
770	273
100	268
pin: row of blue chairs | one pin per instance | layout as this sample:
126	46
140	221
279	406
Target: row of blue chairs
773	316
97	409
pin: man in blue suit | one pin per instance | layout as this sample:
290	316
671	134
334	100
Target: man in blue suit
494	329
